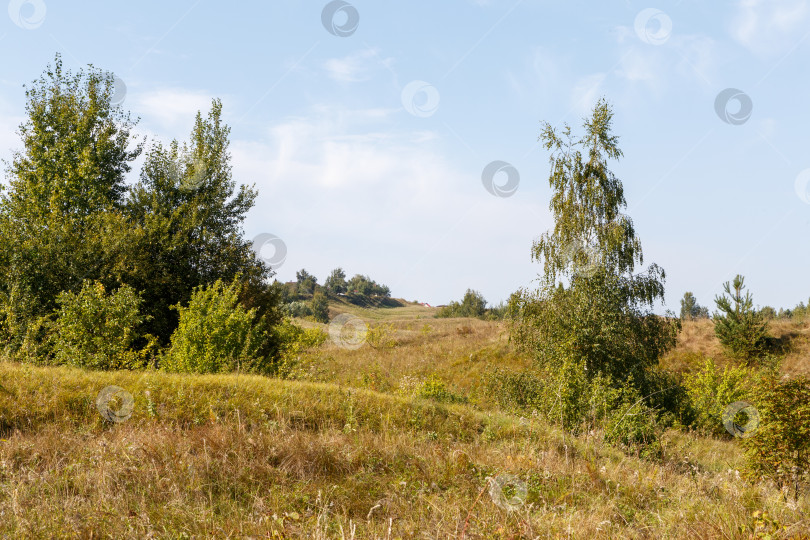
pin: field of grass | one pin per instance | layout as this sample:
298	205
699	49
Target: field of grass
348	449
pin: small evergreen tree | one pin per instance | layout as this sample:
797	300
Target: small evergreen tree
741	329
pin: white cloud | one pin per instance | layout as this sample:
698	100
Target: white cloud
768	27
343	189
169	111
355	67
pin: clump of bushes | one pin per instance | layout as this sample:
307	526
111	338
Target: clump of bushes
293	340
779	449
567	397
381	336
298	309
216	333
320	307
711	391
435	388
472	305
94	328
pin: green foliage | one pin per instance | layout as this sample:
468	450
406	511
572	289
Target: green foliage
187	215
711	391
435	388
602	319
306	282
336	282
216	334
741	329
94	329
570	399
365	286
298	309
472	305
597	320
629	422
380	336
68	216
780	447
320	307
768	313
690	309
59	216
293	340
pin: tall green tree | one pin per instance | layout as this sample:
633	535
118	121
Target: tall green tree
186	215
320	307
741	329
601	318
336	282
306	282
59	217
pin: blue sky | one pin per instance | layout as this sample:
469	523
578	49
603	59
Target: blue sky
368	148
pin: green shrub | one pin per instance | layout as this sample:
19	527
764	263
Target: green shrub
517	392
472	305
94	329
568	398
435	388
380	336
628	422
711	391
215	333
779	448
298	309
294	339
320	307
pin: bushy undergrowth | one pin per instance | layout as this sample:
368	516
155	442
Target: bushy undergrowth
216	334
435	388
293	340
779	448
94	328
711	390
570	399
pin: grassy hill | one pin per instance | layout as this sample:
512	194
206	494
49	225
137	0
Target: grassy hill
352	448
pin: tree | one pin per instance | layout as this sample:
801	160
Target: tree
741	329
336	282
472	305
61	212
320	307
690	309
186	217
602	318
365	286
306	282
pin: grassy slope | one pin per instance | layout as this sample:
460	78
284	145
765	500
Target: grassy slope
347	446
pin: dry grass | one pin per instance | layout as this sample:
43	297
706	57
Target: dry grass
347	452
698	341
